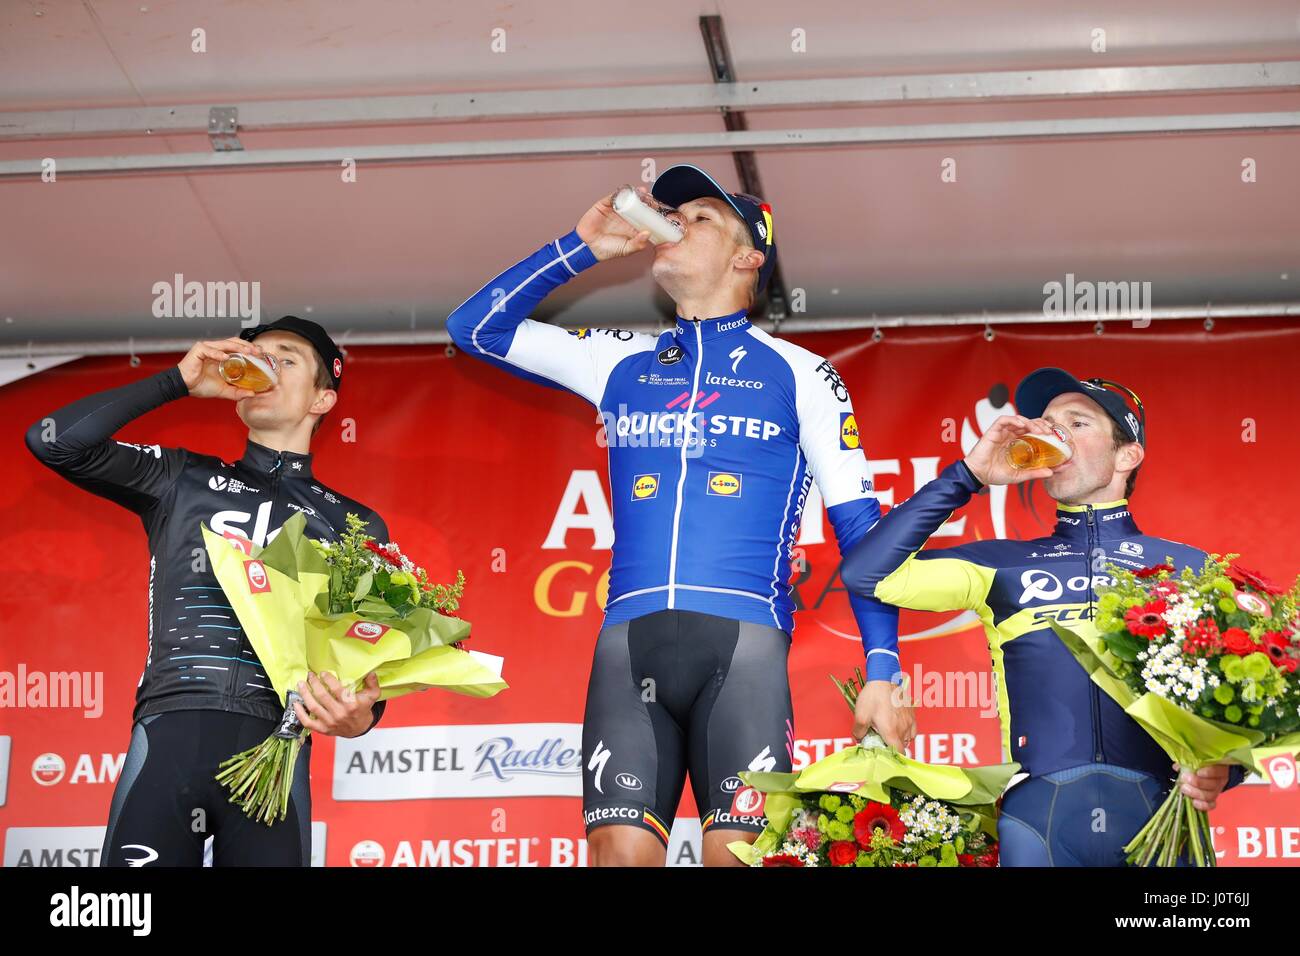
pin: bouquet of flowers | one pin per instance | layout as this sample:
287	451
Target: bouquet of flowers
348	608
872	806
1207	662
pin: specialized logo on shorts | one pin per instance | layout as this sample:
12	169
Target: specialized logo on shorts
763	762
599	757
628	781
645	486
849	439
724	484
748	802
671	355
367	631
258	582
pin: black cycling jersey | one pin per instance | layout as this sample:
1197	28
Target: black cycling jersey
198	656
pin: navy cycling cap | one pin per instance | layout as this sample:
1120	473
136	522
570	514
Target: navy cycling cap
1036	391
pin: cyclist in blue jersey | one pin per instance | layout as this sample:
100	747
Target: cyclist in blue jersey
1094	775
715	431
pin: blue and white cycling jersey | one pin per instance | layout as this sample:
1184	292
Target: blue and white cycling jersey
715	432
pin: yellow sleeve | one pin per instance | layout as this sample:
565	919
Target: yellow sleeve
937	584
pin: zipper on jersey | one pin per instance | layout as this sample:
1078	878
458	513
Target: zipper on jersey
681	479
1095	698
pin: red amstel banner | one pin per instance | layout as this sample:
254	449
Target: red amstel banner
475	469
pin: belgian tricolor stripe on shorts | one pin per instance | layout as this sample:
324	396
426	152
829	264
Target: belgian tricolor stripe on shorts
654	823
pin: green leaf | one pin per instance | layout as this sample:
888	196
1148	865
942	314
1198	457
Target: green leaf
1124	645
363	586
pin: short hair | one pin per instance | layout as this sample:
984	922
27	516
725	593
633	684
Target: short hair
1121	439
745	239
323	380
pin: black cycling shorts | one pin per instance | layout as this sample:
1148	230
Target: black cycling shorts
167	803
675	691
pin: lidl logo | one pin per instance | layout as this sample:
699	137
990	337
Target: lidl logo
849	439
724	483
645	486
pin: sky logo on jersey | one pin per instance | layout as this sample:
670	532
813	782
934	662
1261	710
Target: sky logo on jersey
724	483
849	439
258	582
645	486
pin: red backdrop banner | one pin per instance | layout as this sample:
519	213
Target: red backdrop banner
477	470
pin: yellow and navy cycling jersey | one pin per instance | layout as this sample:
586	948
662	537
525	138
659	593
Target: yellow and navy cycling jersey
1053	717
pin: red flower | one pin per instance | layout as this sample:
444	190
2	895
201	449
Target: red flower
782	859
1146	620
1152	571
877	816
990	858
1203	638
843	853
1243	577
1236	641
387	556
1278	646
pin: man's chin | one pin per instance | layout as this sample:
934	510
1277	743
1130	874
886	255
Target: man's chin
1062	488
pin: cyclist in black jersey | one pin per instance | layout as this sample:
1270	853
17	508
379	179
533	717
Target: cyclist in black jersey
203	695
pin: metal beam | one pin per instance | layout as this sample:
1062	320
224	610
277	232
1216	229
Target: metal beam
645	99
659	143
789	326
718	51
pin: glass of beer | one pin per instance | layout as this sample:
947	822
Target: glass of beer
249	371
1040	451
